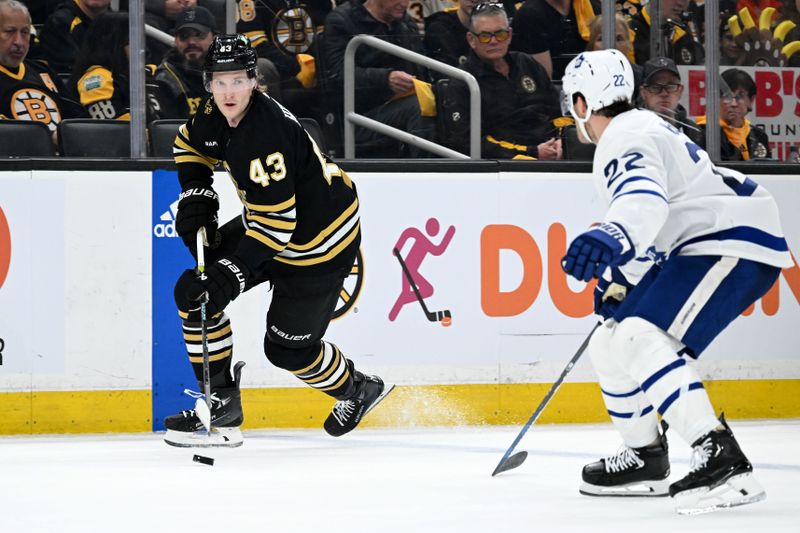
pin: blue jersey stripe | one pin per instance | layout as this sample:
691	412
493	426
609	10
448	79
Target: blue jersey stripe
658	375
640	191
740	233
621	395
617	414
636	178
674	396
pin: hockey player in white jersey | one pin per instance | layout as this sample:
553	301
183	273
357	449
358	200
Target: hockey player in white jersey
682	250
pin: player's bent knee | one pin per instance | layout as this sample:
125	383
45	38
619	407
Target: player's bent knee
636	336
289	357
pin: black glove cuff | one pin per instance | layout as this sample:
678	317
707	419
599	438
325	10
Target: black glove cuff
236	273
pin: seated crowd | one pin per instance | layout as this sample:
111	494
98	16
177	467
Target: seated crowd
72	61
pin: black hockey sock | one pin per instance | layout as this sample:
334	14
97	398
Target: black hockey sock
220	350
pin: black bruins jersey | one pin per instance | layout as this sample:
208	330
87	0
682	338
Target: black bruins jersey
300	208
105	95
30	93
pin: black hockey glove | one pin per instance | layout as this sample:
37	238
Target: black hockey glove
220	284
197	208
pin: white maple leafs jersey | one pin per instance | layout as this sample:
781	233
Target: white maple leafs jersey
672	200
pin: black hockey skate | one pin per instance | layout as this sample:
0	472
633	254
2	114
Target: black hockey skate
720	476
630	472
347	413
186	430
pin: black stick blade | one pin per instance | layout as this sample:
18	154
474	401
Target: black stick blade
510	463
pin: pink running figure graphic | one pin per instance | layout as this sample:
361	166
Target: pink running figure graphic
414	285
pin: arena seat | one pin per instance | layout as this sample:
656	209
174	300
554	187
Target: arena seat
162	136
25	138
315	130
86	137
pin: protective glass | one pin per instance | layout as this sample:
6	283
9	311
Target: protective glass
566	104
485	37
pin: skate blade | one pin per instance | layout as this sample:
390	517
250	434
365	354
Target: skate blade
219	438
738	490
387	388
640	489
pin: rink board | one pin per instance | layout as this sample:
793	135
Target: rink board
90	340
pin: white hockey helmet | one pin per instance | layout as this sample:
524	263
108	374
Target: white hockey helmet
602	77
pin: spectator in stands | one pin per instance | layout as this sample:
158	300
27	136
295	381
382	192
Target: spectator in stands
623	38
180	75
446	34
730	51
100	76
740	140
63	33
28	89
661	92
681	31
518	100
553	31
421	10
385	89
41	9
161	15
285	34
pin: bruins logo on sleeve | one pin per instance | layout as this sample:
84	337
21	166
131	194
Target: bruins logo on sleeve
33	104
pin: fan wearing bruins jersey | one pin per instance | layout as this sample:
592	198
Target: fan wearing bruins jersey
299	230
284	31
28	90
100	73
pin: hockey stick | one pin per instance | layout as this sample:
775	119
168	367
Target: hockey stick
512	461
435	316
203	409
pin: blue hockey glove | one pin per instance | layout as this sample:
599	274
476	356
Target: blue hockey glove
592	251
612	288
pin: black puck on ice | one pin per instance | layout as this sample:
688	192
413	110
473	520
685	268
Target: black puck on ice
203	459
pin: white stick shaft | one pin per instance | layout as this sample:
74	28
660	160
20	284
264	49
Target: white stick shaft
201	256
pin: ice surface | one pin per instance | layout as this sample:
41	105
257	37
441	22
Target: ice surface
413	480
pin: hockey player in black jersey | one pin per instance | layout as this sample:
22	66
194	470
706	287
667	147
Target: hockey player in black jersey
299	230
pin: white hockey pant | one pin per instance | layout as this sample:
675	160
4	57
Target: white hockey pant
641	374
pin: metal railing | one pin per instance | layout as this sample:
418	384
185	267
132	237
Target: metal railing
351	118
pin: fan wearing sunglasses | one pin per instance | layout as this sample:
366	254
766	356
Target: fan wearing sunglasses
518	101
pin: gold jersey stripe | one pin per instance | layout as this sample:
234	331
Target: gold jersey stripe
337	361
336	224
317	361
211	335
283	206
275	223
321	259
338	383
212	358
